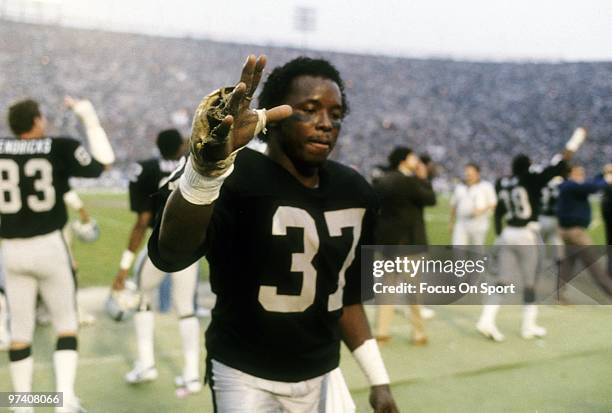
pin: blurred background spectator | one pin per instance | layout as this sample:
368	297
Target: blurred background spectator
452	110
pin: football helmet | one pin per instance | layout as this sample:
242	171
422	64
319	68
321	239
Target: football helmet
122	304
87	232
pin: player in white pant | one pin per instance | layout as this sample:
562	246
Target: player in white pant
236	391
520	241
280	314
184	284
145	180
518	262
86	230
34	176
472	203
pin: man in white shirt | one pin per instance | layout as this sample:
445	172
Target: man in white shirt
472	204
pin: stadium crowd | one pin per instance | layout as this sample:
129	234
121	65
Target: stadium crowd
456	111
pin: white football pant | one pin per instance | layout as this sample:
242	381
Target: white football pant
39	264
239	392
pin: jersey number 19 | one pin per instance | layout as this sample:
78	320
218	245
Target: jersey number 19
516	201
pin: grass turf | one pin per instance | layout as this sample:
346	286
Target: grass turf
458	371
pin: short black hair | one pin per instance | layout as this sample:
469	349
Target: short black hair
169	142
473	165
397	155
278	83
520	164
22	114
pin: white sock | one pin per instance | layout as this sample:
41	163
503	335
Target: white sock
530	313
21	374
144	321
65	364
190	333
489	313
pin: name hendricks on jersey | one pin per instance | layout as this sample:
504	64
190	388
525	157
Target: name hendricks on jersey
34	176
25	147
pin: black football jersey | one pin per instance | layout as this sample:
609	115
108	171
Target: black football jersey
284	259
550	195
34	177
521	195
146	178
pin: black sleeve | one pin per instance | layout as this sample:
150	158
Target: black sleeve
221	223
153	245
358	287
550	172
140	188
77	160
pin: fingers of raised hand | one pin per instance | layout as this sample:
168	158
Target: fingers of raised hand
252	72
69	101
236	98
278	113
259	68
248	70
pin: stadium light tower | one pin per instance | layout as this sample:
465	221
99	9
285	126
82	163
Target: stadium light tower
31	11
305	22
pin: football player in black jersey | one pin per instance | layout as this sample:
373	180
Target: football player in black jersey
147	176
34	172
282	233
519	206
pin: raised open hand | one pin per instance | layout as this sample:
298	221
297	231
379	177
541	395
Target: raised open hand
225	121
69	101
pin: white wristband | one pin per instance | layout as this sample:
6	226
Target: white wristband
369	359
576	140
556	159
127	258
73	201
198	189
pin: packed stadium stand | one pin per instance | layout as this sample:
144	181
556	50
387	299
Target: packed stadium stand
456	111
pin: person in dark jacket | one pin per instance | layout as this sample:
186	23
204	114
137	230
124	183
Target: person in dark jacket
403	192
574	214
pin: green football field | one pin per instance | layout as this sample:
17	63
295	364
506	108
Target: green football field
458	371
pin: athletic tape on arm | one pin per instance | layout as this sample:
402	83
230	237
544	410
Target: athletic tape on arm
96	136
127	258
576	140
369	359
198	189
